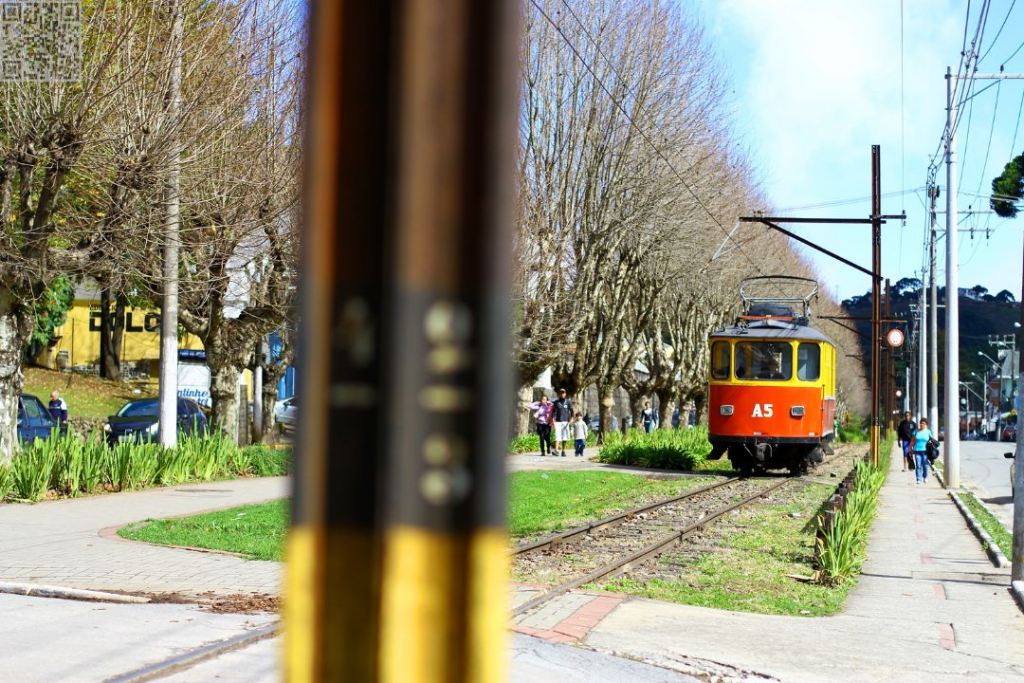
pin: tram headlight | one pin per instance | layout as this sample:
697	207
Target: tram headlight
725	410
796	411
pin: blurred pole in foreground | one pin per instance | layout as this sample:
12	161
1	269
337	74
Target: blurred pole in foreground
397	558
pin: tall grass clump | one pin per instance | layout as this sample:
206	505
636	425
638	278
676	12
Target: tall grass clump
268	462
30	473
676	449
841	545
208	456
6	481
134	465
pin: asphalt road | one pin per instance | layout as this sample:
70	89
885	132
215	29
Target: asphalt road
984	470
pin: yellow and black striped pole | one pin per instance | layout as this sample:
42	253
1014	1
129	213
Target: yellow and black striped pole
397	556
332	593
445	608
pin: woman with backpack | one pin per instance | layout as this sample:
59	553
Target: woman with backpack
922	437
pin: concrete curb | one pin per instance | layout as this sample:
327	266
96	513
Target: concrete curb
991	549
62	593
189	659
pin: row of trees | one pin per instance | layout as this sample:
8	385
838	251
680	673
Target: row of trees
83	180
631	183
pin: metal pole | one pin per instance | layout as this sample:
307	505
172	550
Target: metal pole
889	359
332	605
444	609
1017	562
168	428
952	422
876	269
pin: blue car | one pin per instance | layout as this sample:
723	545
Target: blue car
34	420
139	421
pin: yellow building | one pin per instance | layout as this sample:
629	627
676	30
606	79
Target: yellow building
77	343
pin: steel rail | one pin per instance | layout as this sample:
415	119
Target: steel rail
643	554
612	520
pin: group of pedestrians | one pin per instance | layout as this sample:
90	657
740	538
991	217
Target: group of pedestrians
919	446
557	419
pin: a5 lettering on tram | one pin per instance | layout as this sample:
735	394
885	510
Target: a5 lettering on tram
772	380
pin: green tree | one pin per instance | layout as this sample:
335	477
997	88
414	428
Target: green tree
51	309
1008	188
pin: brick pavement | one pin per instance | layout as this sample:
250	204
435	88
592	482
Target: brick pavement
59	542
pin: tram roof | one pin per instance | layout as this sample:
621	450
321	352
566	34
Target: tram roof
772	329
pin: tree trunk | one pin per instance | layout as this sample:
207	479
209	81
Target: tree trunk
664	403
605	401
523	415
224	394
269	402
111	335
699	404
12	338
636	407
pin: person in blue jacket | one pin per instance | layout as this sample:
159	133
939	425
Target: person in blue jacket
921	438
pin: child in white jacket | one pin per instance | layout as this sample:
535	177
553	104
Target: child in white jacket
579	433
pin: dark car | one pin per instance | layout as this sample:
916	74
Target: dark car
139	420
1010	432
34	420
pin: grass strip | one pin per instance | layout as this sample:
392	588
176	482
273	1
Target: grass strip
989	522
256	531
752	567
546	501
539	502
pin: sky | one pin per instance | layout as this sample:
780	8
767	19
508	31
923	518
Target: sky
815	83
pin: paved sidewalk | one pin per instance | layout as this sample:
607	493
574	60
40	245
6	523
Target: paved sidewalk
928	607
60	542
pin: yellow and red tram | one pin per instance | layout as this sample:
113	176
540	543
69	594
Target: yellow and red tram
772	380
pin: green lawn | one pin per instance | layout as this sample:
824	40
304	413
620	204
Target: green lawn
538	502
254	530
86	396
750	573
545	501
989	522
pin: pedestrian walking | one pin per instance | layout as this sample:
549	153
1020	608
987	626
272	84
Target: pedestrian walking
579	434
647	417
58	409
921	438
542	413
905	434
562	411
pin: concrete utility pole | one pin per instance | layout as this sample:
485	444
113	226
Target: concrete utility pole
933	322
953	275
169	304
1017	563
952	447
922	355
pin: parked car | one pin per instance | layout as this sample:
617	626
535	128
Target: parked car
286	414
140	420
1010	432
34	420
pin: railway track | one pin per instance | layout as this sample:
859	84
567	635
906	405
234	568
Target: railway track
613	545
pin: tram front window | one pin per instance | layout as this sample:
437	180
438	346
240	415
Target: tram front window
764	361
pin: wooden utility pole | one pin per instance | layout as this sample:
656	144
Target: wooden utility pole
875	220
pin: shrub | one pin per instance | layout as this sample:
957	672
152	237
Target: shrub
677	449
30	473
841	546
134	465
93	465
267	462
